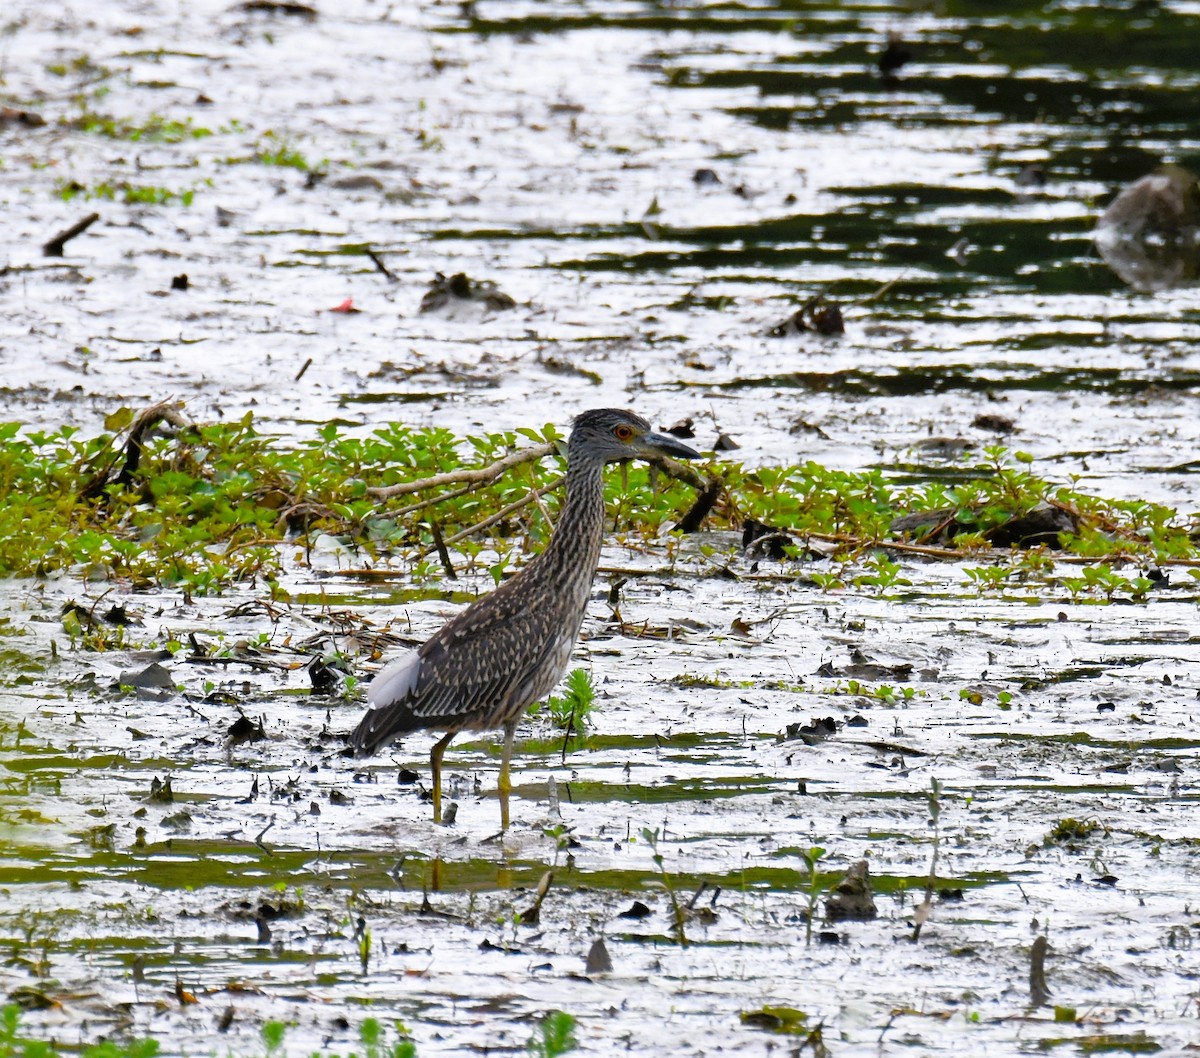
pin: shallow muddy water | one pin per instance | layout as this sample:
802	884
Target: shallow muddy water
657	186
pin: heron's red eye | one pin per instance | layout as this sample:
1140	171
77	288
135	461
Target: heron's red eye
623	432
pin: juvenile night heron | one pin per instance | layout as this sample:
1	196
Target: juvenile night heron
507	650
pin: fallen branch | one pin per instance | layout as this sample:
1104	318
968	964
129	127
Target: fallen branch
164	411
378	263
432	501
468	479
504	512
709	495
54	248
689	475
478	475
486	475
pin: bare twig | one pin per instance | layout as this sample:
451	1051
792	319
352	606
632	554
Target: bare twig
442	552
54	248
691	521
504	512
164	411
432	501
689	475
378	263
455	477
261	834
882	290
483	475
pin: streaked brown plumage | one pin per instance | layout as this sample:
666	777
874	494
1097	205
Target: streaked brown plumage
507	650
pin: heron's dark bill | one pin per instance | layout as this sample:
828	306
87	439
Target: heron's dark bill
669	446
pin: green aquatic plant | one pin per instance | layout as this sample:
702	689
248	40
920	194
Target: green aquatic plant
678	910
275	148
884	574
153	129
131	194
1069	830
813	889
156	500
555	1036
571	712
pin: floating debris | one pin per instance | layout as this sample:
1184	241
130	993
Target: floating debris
152	678
598	960
1040	526
27	119
896	55
852	897
818	730
446	292
817	315
994	423
1150	233
1038	992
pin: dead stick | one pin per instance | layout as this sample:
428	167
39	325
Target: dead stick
680	471
455	477
54	248
704	503
504	512
442	551
375	260
442	497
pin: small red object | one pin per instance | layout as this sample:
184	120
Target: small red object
346	306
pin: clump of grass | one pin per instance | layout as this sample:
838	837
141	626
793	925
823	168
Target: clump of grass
83	66
571	712
1069	830
131	194
276	149
153	129
555	1036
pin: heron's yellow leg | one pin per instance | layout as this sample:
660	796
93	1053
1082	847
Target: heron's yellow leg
435	764
504	783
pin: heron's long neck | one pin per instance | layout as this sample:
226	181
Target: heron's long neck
574	549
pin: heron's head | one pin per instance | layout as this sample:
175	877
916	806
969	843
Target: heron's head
613	435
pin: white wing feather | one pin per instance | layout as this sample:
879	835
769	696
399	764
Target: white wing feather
395	682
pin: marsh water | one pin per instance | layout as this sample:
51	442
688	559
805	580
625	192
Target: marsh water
657	186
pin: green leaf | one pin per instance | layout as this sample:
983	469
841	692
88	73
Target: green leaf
118	420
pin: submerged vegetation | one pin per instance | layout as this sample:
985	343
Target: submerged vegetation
373	1038
158	500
